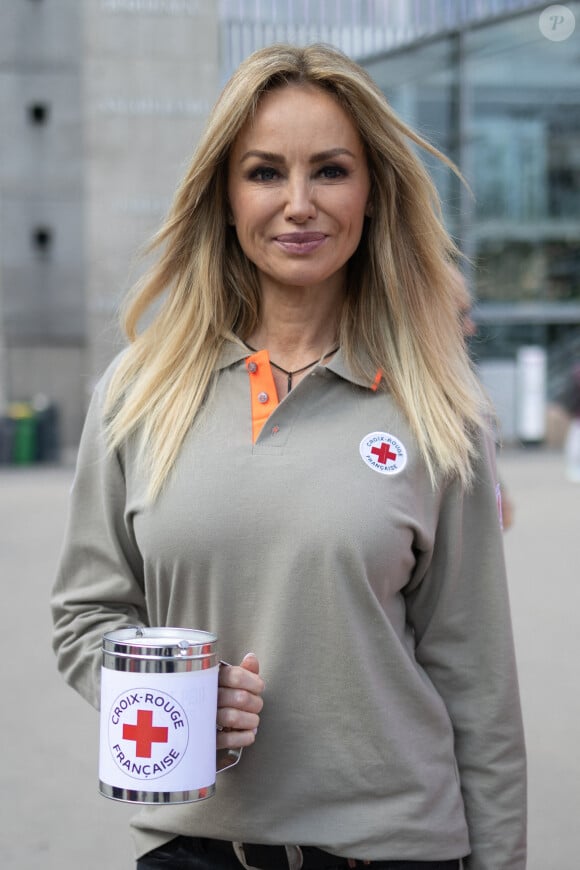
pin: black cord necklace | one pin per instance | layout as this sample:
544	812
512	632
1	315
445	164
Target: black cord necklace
289	374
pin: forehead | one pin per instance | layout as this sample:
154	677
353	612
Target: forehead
308	113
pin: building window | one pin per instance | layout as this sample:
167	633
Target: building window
421	84
523	161
503	101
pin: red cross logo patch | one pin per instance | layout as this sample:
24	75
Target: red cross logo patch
148	733
383	452
144	733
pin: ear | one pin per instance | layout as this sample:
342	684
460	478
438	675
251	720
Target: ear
369	209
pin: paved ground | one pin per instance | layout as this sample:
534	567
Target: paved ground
51	816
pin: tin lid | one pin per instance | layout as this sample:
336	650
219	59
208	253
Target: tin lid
163	642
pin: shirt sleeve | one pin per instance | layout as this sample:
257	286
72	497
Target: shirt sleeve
459	610
99	584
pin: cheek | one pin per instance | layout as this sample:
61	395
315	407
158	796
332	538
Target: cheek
356	219
250	214
350	207
249	238
243	239
236	208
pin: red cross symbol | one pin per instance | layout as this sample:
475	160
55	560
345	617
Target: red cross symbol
144	734
384	453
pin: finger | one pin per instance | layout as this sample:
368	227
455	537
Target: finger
242	677
239	703
250	663
230	717
234	739
237	720
240	699
238	709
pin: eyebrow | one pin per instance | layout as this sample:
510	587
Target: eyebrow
271	157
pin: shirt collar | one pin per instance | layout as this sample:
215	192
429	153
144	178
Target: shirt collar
233	351
339	366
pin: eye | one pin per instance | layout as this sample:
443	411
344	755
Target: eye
263	173
332	172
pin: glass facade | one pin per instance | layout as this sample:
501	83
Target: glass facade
503	100
523	130
422	85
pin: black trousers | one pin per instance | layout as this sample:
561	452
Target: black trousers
199	853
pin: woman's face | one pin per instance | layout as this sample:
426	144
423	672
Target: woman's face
298	186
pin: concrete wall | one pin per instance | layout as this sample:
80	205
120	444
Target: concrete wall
151	73
41	204
102	103
41	172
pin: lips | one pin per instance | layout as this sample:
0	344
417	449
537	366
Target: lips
300	243
300	238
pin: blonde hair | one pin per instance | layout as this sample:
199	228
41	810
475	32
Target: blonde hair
400	310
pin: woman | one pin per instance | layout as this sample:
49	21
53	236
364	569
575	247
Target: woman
293	455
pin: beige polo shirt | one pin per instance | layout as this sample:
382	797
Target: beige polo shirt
376	605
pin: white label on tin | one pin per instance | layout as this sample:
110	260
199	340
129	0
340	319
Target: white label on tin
158	730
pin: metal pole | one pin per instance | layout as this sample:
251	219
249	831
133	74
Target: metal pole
464	155
3	358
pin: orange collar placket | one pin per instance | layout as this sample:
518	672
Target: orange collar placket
263	393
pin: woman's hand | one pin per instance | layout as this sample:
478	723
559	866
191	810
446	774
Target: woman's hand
239	703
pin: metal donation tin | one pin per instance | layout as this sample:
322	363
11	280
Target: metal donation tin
158	715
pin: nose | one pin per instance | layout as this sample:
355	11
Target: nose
300	205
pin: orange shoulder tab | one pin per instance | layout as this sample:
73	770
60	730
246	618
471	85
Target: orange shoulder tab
377	380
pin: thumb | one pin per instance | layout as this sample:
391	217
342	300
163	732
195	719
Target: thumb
250	663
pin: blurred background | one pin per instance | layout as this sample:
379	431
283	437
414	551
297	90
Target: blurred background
101	105
102	102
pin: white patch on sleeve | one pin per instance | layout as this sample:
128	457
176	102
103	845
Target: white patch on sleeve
499	504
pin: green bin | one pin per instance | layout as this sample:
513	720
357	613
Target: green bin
24	434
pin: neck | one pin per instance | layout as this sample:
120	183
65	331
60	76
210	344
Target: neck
297	327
